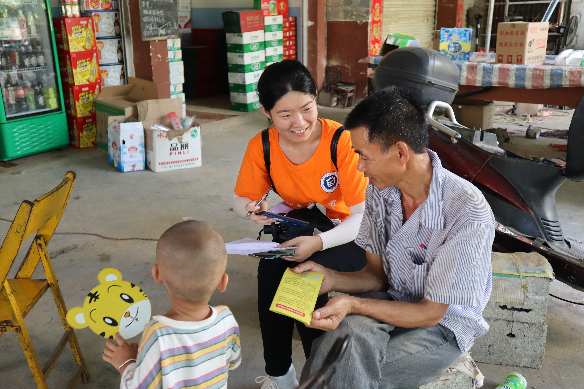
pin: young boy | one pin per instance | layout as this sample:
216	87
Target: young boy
191	344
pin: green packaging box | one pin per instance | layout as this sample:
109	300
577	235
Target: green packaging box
270	36
244	98
244	78
273	27
243	88
270	51
246	107
274	19
245	47
245	37
246	68
274	58
274	43
246	58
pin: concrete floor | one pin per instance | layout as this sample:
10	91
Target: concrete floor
144	204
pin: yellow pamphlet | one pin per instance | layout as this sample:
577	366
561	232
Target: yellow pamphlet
296	296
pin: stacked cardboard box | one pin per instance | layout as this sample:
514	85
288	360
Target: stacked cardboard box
80	75
176	69
289	37
274	38
110	46
246	57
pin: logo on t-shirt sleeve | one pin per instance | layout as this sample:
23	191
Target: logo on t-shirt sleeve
329	182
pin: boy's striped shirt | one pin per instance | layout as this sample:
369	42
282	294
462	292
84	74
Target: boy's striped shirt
177	354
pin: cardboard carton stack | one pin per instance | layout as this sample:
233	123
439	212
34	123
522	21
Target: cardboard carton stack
176	70
522	43
274	38
289	35
110	46
246	57
80	76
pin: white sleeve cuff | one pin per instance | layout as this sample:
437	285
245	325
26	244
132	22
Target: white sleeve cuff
346	231
239	204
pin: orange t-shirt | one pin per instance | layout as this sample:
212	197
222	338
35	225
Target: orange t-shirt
314	181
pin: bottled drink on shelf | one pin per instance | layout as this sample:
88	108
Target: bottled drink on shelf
26	57
120	53
117	28
30	98
122	76
20	94
6	61
9	91
39	98
31	23
22	23
41	58
33	58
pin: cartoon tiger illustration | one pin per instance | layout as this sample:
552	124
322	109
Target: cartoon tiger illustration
112	306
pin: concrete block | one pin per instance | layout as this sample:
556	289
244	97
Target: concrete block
511	343
534	310
458	380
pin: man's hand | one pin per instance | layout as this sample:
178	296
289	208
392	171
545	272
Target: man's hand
327	281
259	219
307	245
330	316
116	354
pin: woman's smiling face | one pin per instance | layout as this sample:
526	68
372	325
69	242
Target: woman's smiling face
295	116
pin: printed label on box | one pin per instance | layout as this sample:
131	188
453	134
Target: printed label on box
245	47
243	88
107	24
112	75
246	58
81	98
245	37
273	27
176	88
252	67
97	5
126	146
110	50
174	55
173	44
244	98
270	51
83	68
271	20
269	36
244	78
177	153
455	42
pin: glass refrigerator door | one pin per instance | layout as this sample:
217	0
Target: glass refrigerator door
27	67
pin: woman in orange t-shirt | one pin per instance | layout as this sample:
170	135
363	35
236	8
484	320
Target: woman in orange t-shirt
304	174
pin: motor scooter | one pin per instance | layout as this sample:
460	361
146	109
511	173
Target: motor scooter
520	191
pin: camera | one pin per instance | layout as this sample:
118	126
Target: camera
282	232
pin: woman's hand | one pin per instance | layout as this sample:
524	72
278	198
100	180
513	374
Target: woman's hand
117	354
259	219
307	245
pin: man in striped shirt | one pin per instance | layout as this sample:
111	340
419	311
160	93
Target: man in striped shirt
428	235
192	345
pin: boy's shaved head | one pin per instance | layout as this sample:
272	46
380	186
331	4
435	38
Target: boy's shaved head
191	259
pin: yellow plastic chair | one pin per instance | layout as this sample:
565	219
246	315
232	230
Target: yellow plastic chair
21	293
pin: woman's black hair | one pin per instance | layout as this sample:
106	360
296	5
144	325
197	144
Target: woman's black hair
282	77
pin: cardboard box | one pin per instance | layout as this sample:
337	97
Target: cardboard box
244	98
245	37
268	7
269	36
176	88
527	109
274	58
83	68
173	44
522	43
475	114
252	67
176	72
243	21
174	55
246	107
99	5
271	51
126	145
275	43
283	8
122	101
244	78
273	27
246	58
111	75
109	50
82	132
168	150
436	40
270	20
105	23
245	47
243	88
76	34
455	42
81	98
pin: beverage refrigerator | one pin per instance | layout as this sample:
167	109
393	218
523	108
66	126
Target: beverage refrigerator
32	114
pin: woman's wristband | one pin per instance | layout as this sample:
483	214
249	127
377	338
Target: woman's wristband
123	364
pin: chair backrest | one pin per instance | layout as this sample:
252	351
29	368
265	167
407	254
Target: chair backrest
331	77
40	217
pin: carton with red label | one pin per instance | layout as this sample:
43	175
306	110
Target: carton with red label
242	21
75	34
522	43
83	68
81	98
82	131
100	5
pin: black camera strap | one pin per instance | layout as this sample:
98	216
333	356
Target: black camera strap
266	147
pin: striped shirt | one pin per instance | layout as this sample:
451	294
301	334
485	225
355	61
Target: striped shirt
179	354
441	253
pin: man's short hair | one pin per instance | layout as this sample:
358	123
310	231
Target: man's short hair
391	115
191	258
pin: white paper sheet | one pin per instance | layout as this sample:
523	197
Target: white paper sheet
282	207
248	246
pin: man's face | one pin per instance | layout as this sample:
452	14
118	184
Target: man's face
382	168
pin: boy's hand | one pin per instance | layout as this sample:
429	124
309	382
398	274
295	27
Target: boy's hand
117	354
